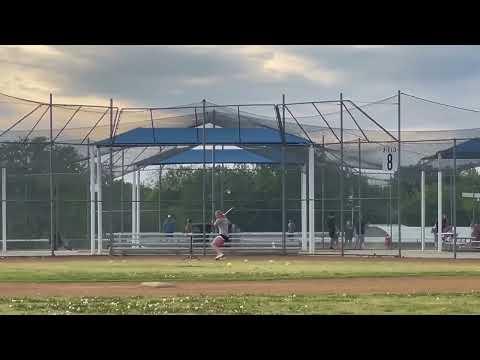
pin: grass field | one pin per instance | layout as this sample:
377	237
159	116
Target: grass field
292	304
276	268
177	270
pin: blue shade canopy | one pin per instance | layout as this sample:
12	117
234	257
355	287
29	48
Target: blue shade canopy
192	156
194	136
467	150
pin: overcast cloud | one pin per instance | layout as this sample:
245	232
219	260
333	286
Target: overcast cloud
175	75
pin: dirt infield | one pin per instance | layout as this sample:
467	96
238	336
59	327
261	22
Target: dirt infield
400	285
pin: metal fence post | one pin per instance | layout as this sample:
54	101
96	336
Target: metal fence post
4	211
204	184
322	179
454	198
359	189
342	174
91	159
110	200
122	219
50	173
283	182
398	179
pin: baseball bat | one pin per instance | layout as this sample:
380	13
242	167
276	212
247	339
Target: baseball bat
226	212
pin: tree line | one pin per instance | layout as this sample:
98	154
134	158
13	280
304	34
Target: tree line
255	192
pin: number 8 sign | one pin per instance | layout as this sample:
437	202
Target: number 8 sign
390	158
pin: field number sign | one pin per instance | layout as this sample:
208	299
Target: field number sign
390	158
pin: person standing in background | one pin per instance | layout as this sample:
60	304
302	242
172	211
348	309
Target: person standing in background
332	230
188	226
291	228
348	233
169	225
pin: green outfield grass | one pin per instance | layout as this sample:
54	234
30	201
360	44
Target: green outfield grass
291	304
206	269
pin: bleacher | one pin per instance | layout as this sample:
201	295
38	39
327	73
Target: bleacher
180	243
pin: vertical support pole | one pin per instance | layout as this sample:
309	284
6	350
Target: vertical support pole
159	198
304	206
398	184
342	174
204	184
450	193
139	208
322	179
439	207
360	187
56	208
122	219
222	174
284	212
311	198
213	169
134	203
390	209
110	178
50	173
4	211
99	203
422	230
454	198
91	160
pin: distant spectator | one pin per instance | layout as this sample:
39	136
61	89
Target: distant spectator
348	234
475	232
445	228
360	229
169	225
188	226
332	230
291	228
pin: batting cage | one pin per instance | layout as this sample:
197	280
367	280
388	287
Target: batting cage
338	177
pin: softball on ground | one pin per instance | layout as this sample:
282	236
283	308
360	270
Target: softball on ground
246	260
271	261
229	264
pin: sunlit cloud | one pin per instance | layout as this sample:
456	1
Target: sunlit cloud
175	75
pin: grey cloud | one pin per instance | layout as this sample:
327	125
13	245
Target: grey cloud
169	75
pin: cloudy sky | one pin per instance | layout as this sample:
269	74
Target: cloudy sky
175	75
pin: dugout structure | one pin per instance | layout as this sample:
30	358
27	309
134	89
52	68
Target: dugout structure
91	177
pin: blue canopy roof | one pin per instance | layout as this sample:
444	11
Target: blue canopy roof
194	136
468	150
226	156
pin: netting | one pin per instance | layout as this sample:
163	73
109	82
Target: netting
234	156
